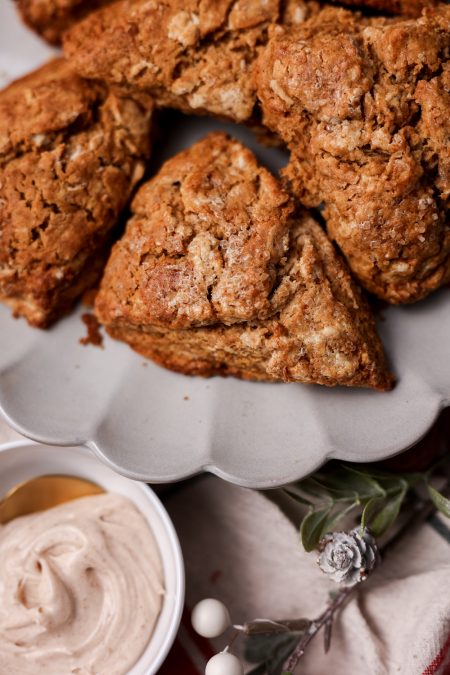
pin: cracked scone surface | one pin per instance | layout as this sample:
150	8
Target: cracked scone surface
51	18
194	55
70	153
217	274
364	106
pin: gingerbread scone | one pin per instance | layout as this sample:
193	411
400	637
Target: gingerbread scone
70	153
191	55
404	7
51	18
217	274
365	110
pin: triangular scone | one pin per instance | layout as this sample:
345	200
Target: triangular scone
216	274
364	106
192	55
71	152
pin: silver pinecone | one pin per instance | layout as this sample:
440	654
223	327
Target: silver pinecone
348	557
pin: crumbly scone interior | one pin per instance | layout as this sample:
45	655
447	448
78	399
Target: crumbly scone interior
364	107
224	278
70	153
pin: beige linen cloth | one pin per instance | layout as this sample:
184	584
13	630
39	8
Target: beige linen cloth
240	547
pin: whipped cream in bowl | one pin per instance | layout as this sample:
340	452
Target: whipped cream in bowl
94	586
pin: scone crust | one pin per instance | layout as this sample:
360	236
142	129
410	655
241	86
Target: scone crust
217	274
51	18
204	241
364	106
188	54
70	153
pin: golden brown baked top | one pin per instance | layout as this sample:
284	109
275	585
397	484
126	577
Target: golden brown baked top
53	104
70	153
365	108
205	239
196	55
50	18
216	269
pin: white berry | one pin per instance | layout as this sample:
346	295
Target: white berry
224	664
210	618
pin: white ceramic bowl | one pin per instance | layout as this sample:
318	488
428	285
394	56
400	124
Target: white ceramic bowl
23	460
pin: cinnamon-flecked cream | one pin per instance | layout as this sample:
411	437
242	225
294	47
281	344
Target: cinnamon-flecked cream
81	588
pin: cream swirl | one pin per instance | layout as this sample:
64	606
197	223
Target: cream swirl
81	588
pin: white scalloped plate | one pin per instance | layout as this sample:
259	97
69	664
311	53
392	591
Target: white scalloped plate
153	425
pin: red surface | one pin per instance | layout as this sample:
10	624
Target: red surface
178	661
441	663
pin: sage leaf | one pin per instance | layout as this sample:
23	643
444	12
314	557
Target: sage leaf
270	652
313	528
333	489
314	489
363	482
294	493
339	515
441	503
260	648
264	626
394	484
369	511
275	663
387	515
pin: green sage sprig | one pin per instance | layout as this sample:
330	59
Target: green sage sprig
370	495
376	499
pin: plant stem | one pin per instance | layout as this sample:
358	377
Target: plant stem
418	515
322	620
267	626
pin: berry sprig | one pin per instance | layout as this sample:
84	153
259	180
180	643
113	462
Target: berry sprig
380	501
